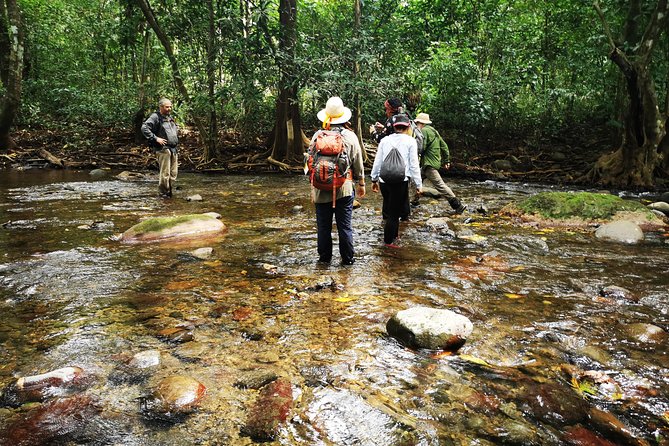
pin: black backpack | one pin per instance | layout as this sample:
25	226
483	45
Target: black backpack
393	169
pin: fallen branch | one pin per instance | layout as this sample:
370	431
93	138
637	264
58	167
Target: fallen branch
46	155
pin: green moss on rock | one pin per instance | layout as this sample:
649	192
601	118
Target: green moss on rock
160	223
585	205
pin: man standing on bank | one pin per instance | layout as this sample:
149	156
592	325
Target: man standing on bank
436	155
161	132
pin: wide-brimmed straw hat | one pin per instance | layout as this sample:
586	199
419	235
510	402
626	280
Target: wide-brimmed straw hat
334	112
423	118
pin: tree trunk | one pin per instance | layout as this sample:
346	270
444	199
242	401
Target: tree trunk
138	119
357	108
5	48
176	73
210	149
12	100
637	162
289	140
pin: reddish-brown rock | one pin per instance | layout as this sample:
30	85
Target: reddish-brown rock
270	411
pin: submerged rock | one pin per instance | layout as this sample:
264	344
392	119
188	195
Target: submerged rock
620	231
145	359
197	254
56	422
580	436
176	335
437	329
39	387
175	395
134	176
270	411
555	404
183	226
136	368
618	293
345	417
255	379
647	334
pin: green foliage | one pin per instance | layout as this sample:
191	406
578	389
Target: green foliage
586	205
487	67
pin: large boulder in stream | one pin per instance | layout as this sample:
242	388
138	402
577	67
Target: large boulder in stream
436	329
581	209
179	227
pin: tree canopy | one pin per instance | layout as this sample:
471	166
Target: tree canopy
482	68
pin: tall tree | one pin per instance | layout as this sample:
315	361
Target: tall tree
212	51
642	156
289	141
178	78
12	72
357	107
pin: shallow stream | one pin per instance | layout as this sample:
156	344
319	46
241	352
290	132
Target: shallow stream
552	359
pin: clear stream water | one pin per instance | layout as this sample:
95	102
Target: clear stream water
550	359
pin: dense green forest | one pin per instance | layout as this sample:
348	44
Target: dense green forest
261	69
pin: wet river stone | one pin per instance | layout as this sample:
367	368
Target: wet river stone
270	411
660	206
182	226
620	231
437	329
176	394
145	359
40	387
56	422
647	334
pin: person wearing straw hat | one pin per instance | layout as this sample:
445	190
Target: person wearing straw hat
435	156
334	117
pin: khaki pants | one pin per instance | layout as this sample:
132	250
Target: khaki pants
169	167
432	174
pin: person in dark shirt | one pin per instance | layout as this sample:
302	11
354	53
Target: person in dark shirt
160	130
378	131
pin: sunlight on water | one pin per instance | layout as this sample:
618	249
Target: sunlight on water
133	316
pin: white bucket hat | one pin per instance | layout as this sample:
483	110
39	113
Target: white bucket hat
334	112
423	118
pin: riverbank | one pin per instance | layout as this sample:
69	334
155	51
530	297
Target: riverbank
563	160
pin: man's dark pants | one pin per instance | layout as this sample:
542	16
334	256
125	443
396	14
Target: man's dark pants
395	206
342	212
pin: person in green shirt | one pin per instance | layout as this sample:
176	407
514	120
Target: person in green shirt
436	155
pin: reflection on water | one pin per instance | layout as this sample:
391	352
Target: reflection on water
551	360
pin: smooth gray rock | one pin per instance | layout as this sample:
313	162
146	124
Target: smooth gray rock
660	206
621	231
423	327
